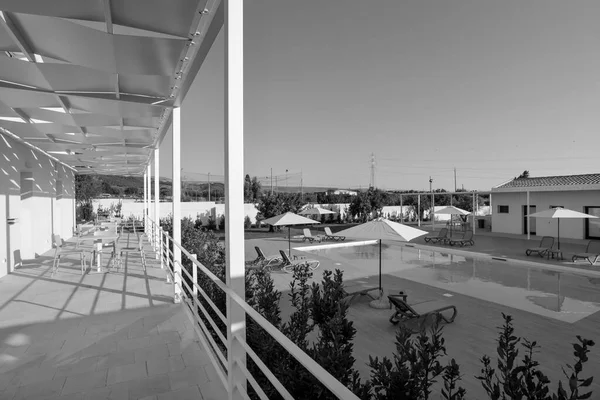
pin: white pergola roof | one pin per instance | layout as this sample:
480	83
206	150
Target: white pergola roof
93	82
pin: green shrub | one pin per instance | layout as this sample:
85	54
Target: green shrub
211	224
222	223
525	380
247	222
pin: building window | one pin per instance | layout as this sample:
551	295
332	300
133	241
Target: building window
502	209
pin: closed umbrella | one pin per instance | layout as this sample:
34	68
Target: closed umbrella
318	211
558	213
382	229
288	219
451	210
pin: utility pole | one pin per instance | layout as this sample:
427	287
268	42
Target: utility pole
209	186
276	184
432	213
372	183
301	187
286	184
271	181
455	179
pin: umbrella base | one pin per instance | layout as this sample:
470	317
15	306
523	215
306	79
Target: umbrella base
381	303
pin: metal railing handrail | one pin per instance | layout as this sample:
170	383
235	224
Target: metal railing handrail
335	386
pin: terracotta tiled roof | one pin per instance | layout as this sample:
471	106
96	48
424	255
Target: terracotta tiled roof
565	180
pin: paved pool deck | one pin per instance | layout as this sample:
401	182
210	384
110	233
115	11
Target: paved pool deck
474	332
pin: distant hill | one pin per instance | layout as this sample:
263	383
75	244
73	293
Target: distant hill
114	184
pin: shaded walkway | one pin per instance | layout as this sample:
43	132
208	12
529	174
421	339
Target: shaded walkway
114	335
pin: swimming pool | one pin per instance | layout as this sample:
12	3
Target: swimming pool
564	296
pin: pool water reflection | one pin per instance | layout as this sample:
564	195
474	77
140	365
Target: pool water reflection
564	296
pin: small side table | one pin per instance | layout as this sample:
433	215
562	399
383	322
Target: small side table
558	253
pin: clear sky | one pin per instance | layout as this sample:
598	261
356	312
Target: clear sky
489	87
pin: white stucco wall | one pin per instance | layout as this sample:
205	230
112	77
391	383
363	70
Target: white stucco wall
569	228
39	211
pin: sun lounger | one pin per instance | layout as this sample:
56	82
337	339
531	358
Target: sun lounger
288	264
467	239
441	237
262	261
405	312
591	252
308	236
330	235
545	246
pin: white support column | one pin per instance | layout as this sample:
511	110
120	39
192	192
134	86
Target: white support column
156	200
149	184
177	203
432	214
419	209
234	190
528	220
474	213
144	217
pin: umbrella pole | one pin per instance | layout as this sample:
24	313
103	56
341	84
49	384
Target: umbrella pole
380	267
289	242
558	235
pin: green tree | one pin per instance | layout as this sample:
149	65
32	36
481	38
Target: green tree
252	189
131	191
524	174
361	206
87	187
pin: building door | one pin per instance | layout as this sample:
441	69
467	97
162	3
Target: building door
592	225
531	220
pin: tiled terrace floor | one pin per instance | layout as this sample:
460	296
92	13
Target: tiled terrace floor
114	335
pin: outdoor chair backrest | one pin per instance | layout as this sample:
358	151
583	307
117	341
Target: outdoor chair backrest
468	235
547	242
402	306
260	253
285	257
593	247
443	232
328	231
307	232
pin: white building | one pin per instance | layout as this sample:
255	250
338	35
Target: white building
576	192
344	191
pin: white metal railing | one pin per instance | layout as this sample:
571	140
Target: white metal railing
161	242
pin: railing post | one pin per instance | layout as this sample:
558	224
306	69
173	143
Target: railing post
161	233
194	277
169	258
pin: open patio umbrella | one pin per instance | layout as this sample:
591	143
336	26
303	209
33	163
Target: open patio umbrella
558	213
318	211
451	210
288	219
382	229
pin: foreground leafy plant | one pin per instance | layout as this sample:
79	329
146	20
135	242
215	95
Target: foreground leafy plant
415	368
525	380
